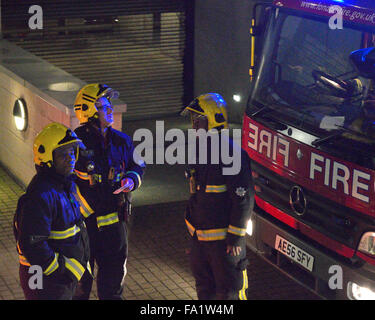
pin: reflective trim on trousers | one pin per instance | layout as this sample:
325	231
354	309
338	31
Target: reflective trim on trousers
107	219
242	292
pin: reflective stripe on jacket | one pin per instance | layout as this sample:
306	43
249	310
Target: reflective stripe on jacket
214	234
220	205
49	227
113	160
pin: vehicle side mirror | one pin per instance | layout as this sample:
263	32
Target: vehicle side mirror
364	61
261	12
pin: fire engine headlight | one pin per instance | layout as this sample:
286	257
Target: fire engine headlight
356	292
367	243
249	229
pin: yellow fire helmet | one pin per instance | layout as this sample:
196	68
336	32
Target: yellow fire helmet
53	136
211	105
84	104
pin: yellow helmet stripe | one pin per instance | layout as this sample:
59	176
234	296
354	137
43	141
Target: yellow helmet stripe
193	110
89	100
88	97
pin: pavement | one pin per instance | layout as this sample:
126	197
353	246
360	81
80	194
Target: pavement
158	263
157	268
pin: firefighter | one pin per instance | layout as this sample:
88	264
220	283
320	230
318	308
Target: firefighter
49	229
107	166
219	208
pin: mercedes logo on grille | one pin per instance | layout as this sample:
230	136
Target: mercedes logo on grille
297	200
299	154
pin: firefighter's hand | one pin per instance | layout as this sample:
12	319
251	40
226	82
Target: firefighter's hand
127	185
233	250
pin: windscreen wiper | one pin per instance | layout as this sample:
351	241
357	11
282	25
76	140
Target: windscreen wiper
261	109
341	130
318	142
271	121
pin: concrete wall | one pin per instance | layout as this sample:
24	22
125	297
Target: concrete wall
16	147
222	50
16	153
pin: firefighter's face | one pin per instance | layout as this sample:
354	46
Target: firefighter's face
199	121
105	111
64	159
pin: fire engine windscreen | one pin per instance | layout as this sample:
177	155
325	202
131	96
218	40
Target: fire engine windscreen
306	80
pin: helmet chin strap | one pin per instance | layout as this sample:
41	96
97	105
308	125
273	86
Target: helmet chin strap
95	120
98	126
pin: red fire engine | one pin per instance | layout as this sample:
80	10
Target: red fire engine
309	129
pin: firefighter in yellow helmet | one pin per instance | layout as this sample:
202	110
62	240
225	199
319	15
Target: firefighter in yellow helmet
219	206
48	226
108	171
86	102
211	107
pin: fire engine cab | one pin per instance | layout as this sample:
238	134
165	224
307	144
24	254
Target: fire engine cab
309	129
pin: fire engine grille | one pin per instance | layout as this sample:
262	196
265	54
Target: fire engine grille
333	220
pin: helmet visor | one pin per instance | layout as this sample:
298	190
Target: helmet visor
103	103
70	137
196	116
111	94
193	107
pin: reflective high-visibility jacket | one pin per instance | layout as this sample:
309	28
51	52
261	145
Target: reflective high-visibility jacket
49	227
100	169
220	205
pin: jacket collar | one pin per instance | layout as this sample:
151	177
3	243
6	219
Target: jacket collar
99	135
51	175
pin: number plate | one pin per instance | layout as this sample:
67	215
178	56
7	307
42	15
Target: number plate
293	252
